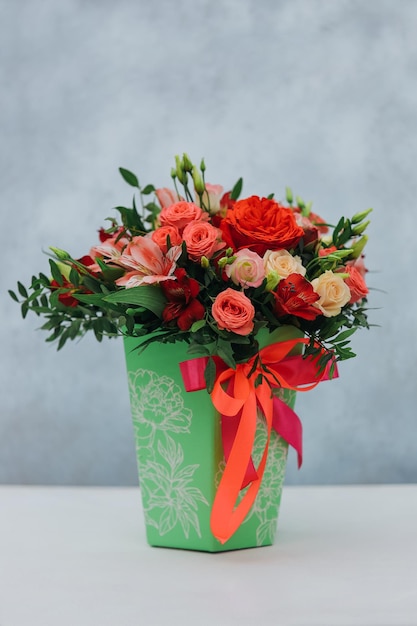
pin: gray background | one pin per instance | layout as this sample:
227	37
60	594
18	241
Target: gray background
318	95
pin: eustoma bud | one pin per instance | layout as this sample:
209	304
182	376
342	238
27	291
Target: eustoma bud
60	254
358	217
198	181
360	228
180	170
272	280
186	162
358	247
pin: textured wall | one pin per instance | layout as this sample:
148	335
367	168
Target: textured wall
318	95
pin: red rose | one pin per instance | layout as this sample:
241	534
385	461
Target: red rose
182	303
260	225
295	296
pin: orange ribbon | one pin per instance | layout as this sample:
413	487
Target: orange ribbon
241	403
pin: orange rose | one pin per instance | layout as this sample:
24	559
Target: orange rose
260	225
233	311
356	284
160	236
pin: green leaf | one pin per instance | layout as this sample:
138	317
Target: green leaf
58	330
337	230
25	309
225	352
22	290
237	189
63	338
90	298
196	348
129	177
344	335
92	284
197	325
210	374
74	277
13	295
131	219
56	273
148	296
44	280
147	190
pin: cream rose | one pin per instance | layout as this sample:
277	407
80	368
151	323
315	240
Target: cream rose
283	263
333	292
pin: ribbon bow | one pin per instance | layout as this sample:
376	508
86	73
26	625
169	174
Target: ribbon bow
236	395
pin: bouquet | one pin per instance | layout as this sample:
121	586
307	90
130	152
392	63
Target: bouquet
263	295
198	265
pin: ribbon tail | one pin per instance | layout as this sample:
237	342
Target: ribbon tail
230	426
288	425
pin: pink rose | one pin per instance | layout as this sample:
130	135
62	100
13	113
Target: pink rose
212	197
202	239
247	270
180	214
233	311
160	235
166	197
356	284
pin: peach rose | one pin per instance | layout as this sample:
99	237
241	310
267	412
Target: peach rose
202	239
356	284
161	234
247	270
260	224
283	263
180	214
333	292
233	311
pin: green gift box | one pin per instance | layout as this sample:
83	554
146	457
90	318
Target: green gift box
180	456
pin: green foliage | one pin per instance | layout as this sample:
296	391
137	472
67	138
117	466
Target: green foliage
129	177
237	189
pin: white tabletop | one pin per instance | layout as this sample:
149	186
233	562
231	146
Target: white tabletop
77	556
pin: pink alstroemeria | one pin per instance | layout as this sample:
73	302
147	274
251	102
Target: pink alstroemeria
166	196
147	263
109	250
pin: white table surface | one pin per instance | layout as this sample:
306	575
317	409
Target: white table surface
78	557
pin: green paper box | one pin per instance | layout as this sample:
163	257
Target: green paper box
180	456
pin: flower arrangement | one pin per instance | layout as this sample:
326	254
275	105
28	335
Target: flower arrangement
202	266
